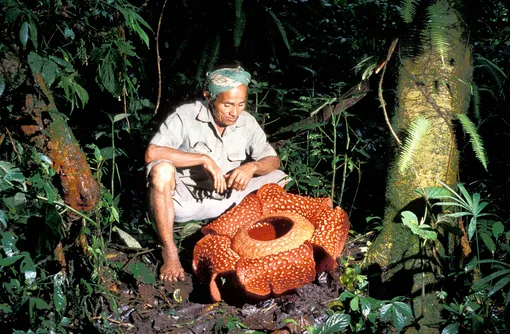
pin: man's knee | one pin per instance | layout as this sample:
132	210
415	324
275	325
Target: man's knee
162	176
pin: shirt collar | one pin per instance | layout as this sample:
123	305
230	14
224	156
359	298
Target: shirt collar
205	115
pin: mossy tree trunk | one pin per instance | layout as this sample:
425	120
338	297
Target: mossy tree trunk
434	85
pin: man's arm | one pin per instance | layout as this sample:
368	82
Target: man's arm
184	159
238	179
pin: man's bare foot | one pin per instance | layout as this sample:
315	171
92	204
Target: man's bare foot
171	270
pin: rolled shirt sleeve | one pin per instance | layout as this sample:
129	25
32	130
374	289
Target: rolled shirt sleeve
170	132
258	146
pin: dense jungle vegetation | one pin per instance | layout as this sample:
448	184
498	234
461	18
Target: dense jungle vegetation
84	85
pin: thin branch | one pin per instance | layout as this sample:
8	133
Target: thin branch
159	59
13	146
427	97
136	255
380	91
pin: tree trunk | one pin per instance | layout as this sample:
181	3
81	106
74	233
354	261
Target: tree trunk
434	85
52	135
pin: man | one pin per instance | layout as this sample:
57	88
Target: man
206	157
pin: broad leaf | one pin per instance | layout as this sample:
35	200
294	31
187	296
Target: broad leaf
59	297
23	34
451	329
434	192
488	242
35	61
499	285
49	72
497	229
2	85
142	273
335	323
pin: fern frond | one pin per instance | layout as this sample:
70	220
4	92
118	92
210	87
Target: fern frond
209	57
415	135
281	29
475	139
440	17
476	101
408	10
239	8
367	65
239	29
215	52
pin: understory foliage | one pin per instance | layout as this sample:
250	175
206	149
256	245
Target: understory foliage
313	90
53	271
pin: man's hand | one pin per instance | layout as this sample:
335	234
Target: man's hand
220	184
238	179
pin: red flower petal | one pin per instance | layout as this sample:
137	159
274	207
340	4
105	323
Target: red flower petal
229	223
331	229
278	273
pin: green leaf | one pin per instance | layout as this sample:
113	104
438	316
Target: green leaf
28	269
119	117
3	218
35	61
8	261
497	229
142	273
189	229
475	139
451	329
23	34
49	72
417	131
39	303
9	240
281	29
499	285
434	192
82	94
5	308
403	315
471	227
410	220
69	33
59	297
2	85
478	284
354	304
335	323
488	242
33	34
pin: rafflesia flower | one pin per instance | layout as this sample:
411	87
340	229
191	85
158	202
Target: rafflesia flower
271	243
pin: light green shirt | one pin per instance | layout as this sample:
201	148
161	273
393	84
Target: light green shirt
191	129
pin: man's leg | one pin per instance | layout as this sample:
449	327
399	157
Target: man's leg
162	183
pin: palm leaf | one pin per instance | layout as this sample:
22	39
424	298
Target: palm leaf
408	10
280	28
475	139
416	133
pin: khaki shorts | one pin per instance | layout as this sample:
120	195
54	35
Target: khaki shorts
188	208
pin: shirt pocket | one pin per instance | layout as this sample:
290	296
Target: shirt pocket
201	147
236	151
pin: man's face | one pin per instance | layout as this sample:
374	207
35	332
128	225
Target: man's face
229	105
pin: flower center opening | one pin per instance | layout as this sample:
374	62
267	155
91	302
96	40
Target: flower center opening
270	228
